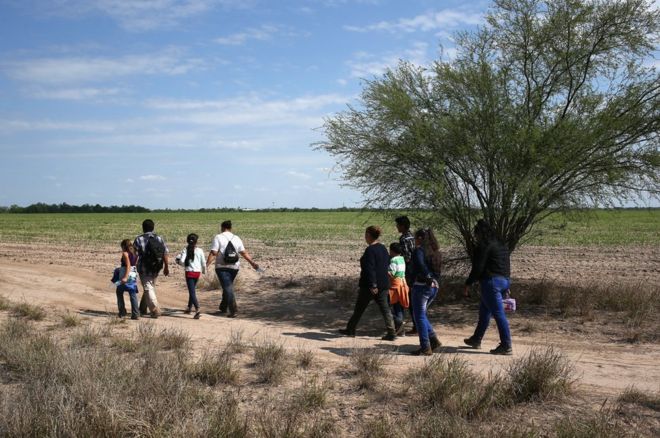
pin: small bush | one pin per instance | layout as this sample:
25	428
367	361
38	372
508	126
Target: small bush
29	311
600	425
212	369
70	320
312	394
450	385
236	345
541	374
150	340
226	421
125	345
5	304
270	362
368	365
304	358
641	398
86	337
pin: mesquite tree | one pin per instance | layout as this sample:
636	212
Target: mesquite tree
549	106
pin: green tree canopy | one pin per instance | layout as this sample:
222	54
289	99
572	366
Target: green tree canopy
548	106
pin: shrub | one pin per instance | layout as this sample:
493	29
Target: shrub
5	304
449	385
236	345
541	374
312	394
304	358
86	337
149	340
29	311
212	369
270	362
641	398
368	365
226	421
600	425
70	320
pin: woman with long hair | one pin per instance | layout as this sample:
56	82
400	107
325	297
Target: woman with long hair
194	261
426	265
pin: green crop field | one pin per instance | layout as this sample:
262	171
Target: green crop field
596	227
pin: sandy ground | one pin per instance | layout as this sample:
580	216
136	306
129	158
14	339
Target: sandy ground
302	315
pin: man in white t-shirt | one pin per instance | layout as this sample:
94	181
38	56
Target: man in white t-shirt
227	271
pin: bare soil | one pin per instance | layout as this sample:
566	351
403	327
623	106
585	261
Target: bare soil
296	304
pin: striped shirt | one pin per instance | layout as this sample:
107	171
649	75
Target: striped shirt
397	267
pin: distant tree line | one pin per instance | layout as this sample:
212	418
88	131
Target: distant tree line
41	207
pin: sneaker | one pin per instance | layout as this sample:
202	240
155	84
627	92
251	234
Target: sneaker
346	332
155	314
197	315
188	311
221	311
134	317
435	343
389	337
412	331
232	315
472	342
422	352
503	350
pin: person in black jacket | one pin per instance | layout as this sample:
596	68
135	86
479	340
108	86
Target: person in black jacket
374	284
491	266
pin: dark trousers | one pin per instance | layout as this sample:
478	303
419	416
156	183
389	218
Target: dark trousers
363	299
192	295
410	279
132	293
226	277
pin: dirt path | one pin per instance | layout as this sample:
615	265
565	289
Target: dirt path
303	319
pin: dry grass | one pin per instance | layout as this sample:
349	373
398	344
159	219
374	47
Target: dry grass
85	337
601	424
29	311
368	365
70	320
313	394
5	304
449	385
540	375
215	368
304	358
632	395
270	361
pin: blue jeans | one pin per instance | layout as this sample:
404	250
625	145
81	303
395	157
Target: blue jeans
491	305
192	296
422	297
397	314
132	293
226	277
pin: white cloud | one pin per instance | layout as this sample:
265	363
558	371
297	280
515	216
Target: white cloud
76	93
152	178
431	21
299	175
365	65
262	33
75	70
134	15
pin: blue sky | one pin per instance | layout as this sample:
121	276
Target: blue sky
195	103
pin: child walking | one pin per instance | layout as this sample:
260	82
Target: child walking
398	286
195	264
127	280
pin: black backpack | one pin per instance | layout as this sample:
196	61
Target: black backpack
152	258
231	255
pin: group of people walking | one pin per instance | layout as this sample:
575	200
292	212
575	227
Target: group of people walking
148	254
407	276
